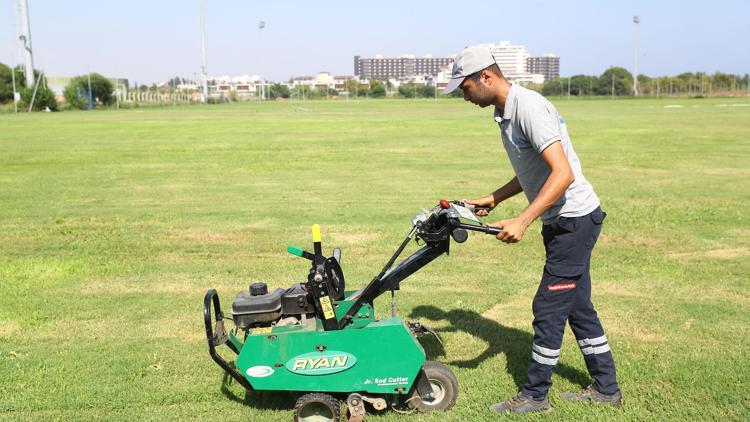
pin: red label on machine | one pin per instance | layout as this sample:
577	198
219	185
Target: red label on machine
562	286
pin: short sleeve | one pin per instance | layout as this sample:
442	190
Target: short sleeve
540	122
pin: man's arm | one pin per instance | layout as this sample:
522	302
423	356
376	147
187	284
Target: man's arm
502	193
561	176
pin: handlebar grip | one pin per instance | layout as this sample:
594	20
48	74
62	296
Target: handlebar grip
300	252
315	233
483	228
493	230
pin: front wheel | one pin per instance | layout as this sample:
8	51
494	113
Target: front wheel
317	407
444	389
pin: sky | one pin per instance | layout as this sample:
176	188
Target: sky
152	41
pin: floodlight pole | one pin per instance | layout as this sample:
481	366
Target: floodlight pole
25	38
637	22
204	96
261	25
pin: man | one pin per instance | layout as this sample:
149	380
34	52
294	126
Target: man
549	173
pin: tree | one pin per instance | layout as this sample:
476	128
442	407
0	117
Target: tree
407	90
552	87
77	91
583	85
426	91
174	82
279	91
645	85
6	84
377	89
623	81
45	97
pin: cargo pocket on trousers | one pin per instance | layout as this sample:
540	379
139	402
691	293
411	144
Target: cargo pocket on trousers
565	269
558	289
566	257
597	217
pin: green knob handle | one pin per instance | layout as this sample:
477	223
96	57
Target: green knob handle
294	250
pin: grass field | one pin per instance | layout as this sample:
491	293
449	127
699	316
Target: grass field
114	224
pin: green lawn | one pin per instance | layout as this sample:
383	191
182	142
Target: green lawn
114	224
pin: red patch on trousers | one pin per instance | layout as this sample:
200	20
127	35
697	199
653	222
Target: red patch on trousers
562	286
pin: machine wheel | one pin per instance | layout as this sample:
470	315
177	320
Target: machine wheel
317	407
444	387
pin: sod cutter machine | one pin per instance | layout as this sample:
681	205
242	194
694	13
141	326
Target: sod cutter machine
325	343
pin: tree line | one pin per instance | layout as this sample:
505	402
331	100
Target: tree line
82	91
43	97
94	90
618	81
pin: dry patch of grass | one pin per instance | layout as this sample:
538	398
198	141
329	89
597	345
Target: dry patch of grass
186	327
514	312
724	253
9	328
352	238
130	287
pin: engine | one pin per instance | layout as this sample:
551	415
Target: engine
257	307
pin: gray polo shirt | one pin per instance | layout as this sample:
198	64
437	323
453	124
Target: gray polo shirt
528	125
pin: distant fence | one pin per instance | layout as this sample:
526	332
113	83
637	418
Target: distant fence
151	97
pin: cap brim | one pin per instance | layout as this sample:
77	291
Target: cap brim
452	85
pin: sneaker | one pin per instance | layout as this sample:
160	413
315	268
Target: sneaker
521	404
590	394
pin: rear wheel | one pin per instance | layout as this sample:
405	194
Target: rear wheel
317	407
444	389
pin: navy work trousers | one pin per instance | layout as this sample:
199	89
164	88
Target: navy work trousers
564	295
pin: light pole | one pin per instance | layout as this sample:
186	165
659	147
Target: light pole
25	38
204	97
261	25
637	22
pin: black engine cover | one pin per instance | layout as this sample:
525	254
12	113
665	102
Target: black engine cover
249	310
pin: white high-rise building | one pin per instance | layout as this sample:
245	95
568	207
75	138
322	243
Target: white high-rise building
512	60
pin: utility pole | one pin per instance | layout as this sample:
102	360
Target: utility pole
261	25
15	93
24	37
91	94
204	97
613	85
637	22
657	87
568	87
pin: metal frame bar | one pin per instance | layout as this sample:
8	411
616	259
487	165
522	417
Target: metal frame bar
220	337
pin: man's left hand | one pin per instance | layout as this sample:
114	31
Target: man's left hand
513	229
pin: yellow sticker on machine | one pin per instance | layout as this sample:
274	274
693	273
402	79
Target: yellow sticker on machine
325	303
261	330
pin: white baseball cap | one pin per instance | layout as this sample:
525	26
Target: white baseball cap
471	60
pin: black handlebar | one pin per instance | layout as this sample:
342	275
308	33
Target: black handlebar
483	228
